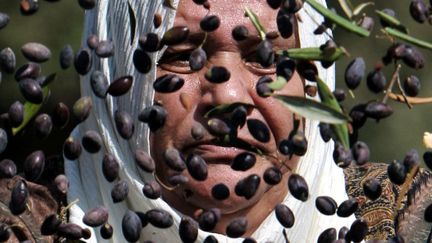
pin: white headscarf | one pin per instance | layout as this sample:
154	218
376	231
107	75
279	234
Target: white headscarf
111	20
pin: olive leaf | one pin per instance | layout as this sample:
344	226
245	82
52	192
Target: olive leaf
255	21
30	110
278	84
312	109
327	97
337	19
398	34
312	53
346	7
357	10
391	21
227	108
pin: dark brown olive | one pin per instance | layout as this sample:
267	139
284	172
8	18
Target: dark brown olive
284	215
286	23
174	159
70	231
96	217
152	190
326	205
262	87
208	219
66	56
19	197
360	152
7	60
237	227
342	233
292	6
61	183
4	20
347	207
298	187
243	161
83	61
210	23
31	90
297	143
358	115
358	230
105	48
28	7
60	115
16	113
150	42
110	167
265	55
258	130
427	157
175	35
36	52
92	41
28	71
397	172
428	214
34	165
82	107
106	231
376	81
197	131
218	127
87	4
272	176
412	85
197	167
307	69
240	32
197	59
210	239
220	191
92	141
154	116
120	86
178	179
3	140
419	11
142	61
217	74
372	188
413	57
275	4
342	156
238	116
159	218
5	233
325	131
188	230
71	148
131	226
119	191
144	161
50	225
378	110
99	84
248	186
327	236
354	72
411	160
168	83
8	168
124	124
43	125
285	68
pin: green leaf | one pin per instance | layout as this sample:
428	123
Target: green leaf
278	84
337	19
255	21
391	21
361	6
346	7
312	53
398	34
312	109
327	97
227	108
30	110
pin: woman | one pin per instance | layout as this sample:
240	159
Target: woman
124	22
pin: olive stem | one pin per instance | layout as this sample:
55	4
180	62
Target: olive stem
403	93
318	24
411	100
65	209
204	40
390	86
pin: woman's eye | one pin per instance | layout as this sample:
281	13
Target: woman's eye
176	62
251	63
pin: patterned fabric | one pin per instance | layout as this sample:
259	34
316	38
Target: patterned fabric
388	215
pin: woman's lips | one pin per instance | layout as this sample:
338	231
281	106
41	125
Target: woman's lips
214	154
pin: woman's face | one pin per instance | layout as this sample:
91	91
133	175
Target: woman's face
188	105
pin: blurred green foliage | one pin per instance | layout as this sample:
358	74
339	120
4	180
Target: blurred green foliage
59	23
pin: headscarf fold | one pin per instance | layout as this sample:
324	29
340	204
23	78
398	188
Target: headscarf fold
122	22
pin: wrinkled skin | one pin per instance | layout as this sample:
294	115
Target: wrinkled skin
198	95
